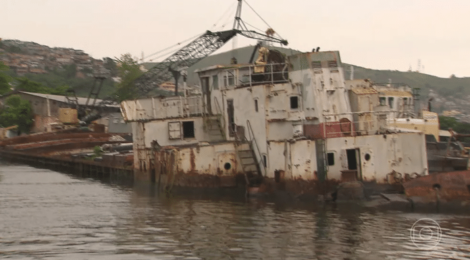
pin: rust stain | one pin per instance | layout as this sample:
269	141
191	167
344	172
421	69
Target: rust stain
192	160
447	186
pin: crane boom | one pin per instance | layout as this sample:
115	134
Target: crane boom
190	54
187	56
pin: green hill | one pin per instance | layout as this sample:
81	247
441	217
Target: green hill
444	86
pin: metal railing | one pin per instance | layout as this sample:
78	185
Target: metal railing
367	121
246	76
253	144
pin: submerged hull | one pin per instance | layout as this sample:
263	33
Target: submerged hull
440	187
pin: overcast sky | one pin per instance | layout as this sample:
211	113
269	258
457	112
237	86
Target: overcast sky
378	34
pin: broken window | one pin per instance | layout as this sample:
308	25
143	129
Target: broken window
215	82
256	105
332	64
205	85
383	101
316	64
294	102
331	159
188	129
390	102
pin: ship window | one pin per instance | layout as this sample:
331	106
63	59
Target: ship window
390	102
205	85
316	64
383	101
174	130
215	82
256	105
294	102
332	64
188	129
229	80
265	160
331	159
405	101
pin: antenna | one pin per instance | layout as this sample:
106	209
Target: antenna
237	23
419	65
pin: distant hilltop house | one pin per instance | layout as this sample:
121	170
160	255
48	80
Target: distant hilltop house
451	113
30	57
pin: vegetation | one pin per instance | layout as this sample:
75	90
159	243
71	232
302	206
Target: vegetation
128	71
450	122
25	84
61	79
4	79
17	111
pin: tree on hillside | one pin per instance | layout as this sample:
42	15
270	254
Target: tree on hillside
110	65
4	79
17	111
25	84
446	122
128	71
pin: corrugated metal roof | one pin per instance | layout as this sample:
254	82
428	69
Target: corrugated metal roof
81	100
395	93
362	91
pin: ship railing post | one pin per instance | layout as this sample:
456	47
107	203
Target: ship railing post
272	74
249	73
351	125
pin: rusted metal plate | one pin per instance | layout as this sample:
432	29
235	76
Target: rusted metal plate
348	175
73	134
448	186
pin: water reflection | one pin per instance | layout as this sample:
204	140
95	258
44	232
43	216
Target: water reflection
45	214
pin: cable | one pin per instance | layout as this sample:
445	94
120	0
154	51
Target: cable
225	13
179	43
261	18
254	27
165	54
227	20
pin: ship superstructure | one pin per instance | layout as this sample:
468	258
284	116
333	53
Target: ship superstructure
280	123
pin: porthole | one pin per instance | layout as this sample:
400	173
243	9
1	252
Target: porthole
367	157
227	166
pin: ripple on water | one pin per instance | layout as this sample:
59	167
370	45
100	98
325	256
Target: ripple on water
49	215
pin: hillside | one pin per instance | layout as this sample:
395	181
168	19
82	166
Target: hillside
57	67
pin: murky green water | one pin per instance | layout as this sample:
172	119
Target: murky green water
50	215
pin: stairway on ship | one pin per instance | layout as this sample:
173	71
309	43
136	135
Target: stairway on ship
213	127
249	165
